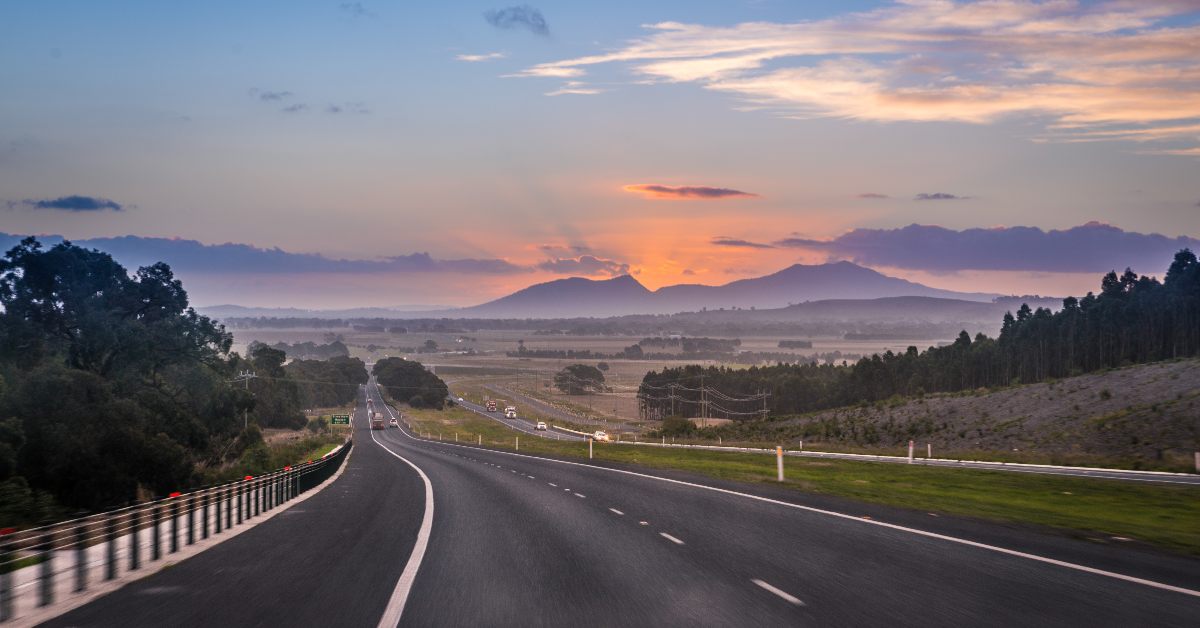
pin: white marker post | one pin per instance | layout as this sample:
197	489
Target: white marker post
589	447
517	445
910	451
456	437
779	461
481	439
928	450
801	445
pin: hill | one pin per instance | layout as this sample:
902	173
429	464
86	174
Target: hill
1145	416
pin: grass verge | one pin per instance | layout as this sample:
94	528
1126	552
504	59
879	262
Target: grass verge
1161	515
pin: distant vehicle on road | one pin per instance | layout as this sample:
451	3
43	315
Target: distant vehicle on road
393	423
600	435
541	425
377	421
460	399
510	412
491	406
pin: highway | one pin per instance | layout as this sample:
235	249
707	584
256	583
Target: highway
437	534
521	425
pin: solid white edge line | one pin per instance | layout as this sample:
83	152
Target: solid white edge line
395	608
777	591
830	513
670	538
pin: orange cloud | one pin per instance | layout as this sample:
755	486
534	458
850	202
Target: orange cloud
677	192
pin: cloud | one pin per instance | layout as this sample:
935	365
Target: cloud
1085	71
1090	248
576	88
872	195
522	16
586	265
689	272
270	96
736	243
296	108
938	196
658	191
242	259
488	56
564	248
72	203
355	9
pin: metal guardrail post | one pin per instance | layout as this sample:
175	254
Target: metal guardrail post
174	526
217	513
134	550
204	517
191	520
46	577
257	496
239	504
8	551
156	530
81	557
110	533
229	508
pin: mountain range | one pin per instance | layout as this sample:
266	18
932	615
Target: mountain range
799	283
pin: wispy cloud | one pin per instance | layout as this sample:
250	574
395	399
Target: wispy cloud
267	95
564	248
738	243
938	196
296	108
576	88
587	265
72	203
659	191
487	56
522	16
872	195
1094	247
355	9
1118	70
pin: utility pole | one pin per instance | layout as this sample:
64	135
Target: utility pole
246	376
703	404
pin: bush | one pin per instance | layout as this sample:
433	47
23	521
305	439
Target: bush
677	426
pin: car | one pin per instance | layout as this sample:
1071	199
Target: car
541	425
394	423
460	399
600	435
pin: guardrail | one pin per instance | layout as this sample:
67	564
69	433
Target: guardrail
32	561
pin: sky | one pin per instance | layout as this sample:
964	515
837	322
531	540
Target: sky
379	153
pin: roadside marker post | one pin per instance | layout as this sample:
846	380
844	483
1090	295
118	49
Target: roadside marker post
1198	462
589	448
517	445
801	445
910	452
928	450
481	439
779	461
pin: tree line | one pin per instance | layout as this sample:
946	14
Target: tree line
1133	319
113	388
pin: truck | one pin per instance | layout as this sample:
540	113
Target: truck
491	405
510	412
377	421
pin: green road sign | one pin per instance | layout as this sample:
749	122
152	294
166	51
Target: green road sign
340	419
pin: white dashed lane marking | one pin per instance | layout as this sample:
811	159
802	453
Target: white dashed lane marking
617	511
580	496
791	599
670	538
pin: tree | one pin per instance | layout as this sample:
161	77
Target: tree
579	379
410	381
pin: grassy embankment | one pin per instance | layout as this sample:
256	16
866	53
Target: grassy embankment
1161	515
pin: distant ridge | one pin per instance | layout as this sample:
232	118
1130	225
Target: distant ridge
578	297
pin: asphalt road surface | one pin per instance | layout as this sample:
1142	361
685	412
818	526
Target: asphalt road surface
518	424
516	540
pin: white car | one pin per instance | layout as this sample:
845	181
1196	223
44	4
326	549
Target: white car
393	423
541	425
600	435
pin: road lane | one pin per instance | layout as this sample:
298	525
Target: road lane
332	560
512	550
